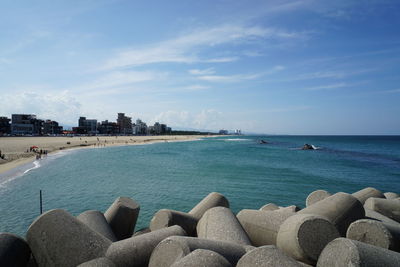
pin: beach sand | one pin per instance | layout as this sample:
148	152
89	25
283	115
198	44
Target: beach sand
17	152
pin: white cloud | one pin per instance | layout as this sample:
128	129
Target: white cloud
185	49
5	61
196	87
238	77
202	72
221	60
331	74
392	91
59	106
333	86
228	78
120	78
205	119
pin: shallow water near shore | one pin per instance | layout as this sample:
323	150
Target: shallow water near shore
176	175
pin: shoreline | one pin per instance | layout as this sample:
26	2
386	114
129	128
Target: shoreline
16	149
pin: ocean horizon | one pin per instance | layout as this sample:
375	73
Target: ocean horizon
176	175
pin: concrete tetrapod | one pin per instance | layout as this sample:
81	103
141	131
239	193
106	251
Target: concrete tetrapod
221	224
291	208
165	218
303	236
14	251
202	257
347	252
371	214
212	200
122	216
366	193
136	251
375	233
172	249
269	207
97	222
316	196
387	207
262	226
341	209
142	231
266	256
391	195
57	238
99	262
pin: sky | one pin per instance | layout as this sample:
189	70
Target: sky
274	67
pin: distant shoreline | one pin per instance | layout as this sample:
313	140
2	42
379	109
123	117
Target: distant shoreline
17	149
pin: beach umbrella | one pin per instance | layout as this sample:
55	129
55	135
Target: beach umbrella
34	147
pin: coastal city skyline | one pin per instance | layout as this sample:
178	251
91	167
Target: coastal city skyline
32	125
274	67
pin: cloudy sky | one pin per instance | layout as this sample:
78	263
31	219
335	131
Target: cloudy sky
278	67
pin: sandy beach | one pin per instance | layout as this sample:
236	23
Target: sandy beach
17	149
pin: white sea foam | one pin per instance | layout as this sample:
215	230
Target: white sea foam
36	164
237	139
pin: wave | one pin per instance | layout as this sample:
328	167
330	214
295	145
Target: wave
237	139
36	164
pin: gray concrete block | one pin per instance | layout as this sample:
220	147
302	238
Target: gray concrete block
32	262
341	209
266	256
269	207
303	236
99	262
136	251
375	233
262	226
316	196
14	250
371	214
291	208
172	249
142	231
122	216
57	238
388	207
366	193
165	218
212	200
97	222
221	224
391	195
202	257
347	252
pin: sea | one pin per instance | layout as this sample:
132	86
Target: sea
177	175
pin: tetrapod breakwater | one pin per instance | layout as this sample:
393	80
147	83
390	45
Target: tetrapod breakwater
334	229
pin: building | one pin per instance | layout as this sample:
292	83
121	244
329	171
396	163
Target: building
223	132
5	126
140	128
158	129
108	128
124	124
52	128
86	126
26	124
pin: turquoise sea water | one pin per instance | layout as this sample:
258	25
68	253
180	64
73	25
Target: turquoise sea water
178	175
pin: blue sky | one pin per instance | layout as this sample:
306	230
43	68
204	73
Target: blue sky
278	67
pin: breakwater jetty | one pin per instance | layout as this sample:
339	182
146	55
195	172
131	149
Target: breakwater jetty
334	229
